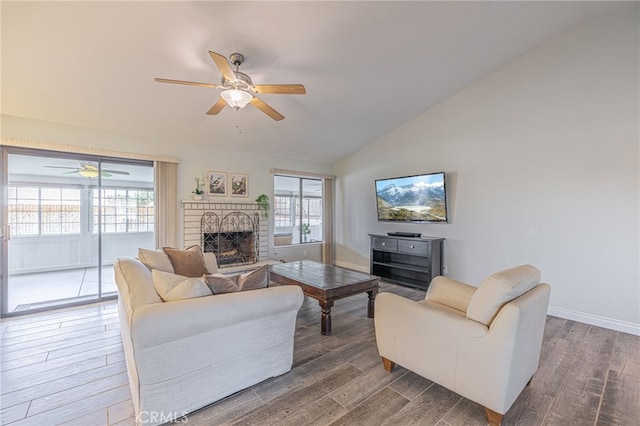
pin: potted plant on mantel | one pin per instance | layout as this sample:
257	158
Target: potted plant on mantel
263	204
197	193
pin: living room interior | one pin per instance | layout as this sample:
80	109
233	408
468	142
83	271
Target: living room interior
531	110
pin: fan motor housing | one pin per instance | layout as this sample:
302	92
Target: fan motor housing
243	81
236	58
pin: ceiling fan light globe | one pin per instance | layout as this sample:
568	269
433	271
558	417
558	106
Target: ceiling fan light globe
88	173
235	98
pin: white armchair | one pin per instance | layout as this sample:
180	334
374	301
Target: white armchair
482	343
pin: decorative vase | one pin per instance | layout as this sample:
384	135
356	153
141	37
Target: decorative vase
197	197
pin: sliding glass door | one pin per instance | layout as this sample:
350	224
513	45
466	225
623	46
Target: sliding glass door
66	217
122	216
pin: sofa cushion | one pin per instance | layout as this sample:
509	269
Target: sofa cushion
135	284
499	289
219	283
155	259
188	262
172	287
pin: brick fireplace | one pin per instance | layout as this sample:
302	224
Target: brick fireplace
236	232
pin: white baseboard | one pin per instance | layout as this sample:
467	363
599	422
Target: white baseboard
353	266
597	320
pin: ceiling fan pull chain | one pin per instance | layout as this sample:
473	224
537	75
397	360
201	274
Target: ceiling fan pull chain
238	121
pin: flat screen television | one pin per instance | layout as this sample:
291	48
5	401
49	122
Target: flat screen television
420	198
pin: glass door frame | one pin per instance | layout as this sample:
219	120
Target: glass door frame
5	236
4	231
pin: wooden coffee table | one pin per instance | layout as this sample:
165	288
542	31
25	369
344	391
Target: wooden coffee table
326	283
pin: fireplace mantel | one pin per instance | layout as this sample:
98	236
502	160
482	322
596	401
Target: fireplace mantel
216	202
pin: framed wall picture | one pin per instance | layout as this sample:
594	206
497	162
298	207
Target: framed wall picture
217	183
239	185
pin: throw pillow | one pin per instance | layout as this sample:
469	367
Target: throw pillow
188	262
500	288
155	259
173	287
211	262
221	284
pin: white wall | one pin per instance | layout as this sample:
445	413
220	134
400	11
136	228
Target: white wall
43	253
194	158
542	162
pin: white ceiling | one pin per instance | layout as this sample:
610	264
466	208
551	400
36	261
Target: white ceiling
368	66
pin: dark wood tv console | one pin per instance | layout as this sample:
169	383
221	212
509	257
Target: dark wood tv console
404	260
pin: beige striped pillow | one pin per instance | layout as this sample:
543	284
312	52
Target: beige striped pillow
220	284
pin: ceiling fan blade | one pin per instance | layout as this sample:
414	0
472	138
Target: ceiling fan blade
115	172
281	89
71	172
61	167
217	107
104	174
187	83
258	103
223	64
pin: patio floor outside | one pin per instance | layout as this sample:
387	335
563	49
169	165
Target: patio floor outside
51	288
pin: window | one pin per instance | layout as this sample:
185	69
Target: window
39	210
297	210
282	211
124	210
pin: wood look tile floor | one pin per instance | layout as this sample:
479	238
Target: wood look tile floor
67	367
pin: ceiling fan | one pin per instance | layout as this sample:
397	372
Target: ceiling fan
238	88
89	170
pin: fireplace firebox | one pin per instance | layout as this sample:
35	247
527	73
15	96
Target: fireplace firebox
233	239
230	247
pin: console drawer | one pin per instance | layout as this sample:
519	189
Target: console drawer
413	247
407	261
388	244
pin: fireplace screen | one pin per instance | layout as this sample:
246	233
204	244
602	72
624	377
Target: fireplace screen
234	239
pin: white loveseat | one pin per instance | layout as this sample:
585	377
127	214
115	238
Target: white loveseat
186	354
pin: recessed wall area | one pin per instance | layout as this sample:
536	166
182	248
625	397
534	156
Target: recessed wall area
227	218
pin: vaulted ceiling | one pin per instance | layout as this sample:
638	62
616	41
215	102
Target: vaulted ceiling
368	66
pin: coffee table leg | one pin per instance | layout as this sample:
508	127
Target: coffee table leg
325	320
372	299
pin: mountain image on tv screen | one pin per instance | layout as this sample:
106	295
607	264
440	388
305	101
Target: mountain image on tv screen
413	198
